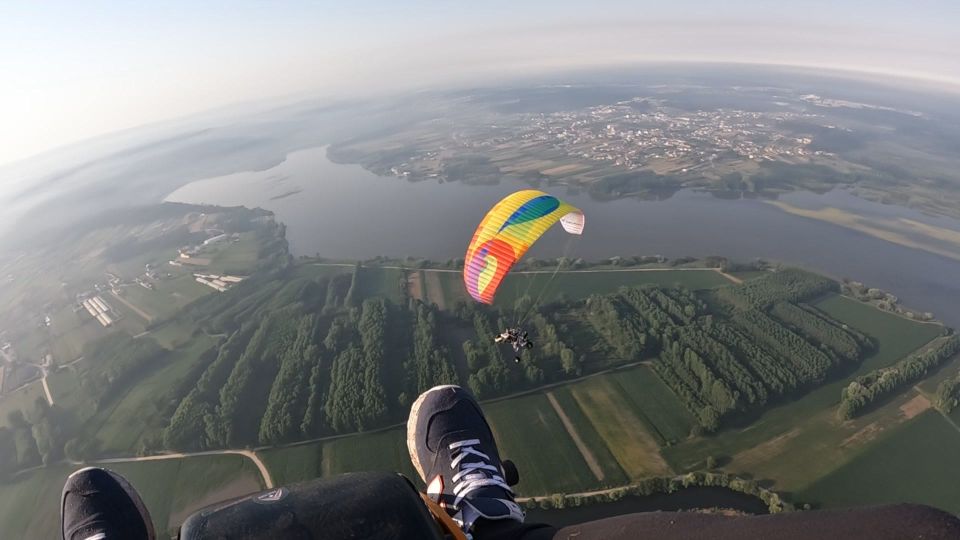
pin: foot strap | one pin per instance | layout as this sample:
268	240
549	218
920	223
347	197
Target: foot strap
446	522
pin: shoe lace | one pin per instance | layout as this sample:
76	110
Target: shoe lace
473	475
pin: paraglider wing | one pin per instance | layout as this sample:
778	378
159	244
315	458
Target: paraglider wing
507	232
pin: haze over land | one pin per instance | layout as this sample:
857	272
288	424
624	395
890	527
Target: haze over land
763	299
79	70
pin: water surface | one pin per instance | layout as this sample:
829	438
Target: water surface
344	211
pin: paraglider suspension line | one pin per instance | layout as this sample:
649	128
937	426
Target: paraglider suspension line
543	290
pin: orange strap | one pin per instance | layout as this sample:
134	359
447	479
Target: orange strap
446	522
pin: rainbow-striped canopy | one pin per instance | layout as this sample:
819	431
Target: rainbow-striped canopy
507	232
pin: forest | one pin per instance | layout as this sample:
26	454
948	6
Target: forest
306	357
297	352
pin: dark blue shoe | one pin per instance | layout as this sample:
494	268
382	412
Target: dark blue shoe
98	504
453	450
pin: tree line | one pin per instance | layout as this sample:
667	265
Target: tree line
788	285
947	397
725	359
309	356
867	389
312	357
668	484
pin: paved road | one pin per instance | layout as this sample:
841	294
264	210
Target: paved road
46	388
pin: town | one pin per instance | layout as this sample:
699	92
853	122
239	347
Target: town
628	135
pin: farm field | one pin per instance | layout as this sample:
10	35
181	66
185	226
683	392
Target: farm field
381	451
21	399
749	274
576	285
236	258
173	333
917	463
122	425
815	446
521	425
625	434
70	331
293	464
29	503
613	475
167	296
381	282
580	284
655	404
896	337
171	489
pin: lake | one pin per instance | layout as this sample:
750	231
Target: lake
344	211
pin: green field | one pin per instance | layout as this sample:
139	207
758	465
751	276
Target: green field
173	333
613	475
30	503
20	400
295	464
121	425
625	434
172	489
655	404
64	385
167	296
522	426
896	337
749	274
129	321
380	451
70	331
452	286
575	285
319	270
236	258
381	282
915	463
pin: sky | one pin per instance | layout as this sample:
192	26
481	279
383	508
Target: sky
75	70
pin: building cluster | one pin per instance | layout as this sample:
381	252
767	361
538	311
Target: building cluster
633	133
189	254
630	138
220	283
99	310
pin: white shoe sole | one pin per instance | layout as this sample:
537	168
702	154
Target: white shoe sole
412	428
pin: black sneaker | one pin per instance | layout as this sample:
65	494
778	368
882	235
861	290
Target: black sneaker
453	450
98	504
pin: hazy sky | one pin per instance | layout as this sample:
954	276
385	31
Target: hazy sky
70	70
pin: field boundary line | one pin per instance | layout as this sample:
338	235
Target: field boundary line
572	431
249	454
146	316
46	388
730	277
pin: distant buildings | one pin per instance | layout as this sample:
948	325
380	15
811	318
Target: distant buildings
217	282
215	239
99	310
